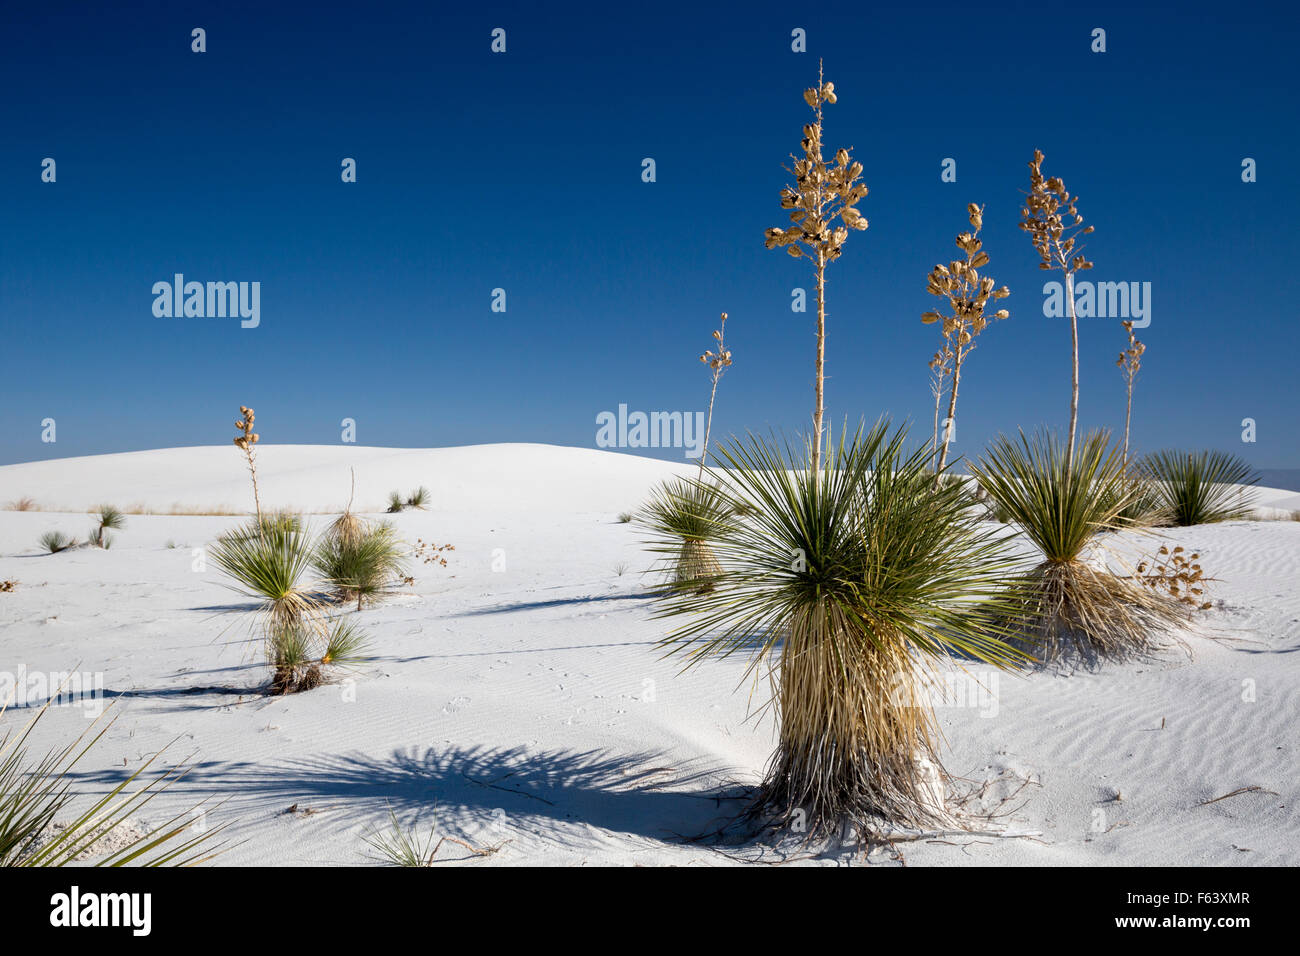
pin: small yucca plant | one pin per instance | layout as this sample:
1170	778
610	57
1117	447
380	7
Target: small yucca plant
396	502
847	581
418	498
364	564
1072	607
110	519
269	561
1202	487
56	541
684	515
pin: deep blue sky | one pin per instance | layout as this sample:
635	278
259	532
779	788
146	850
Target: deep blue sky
523	170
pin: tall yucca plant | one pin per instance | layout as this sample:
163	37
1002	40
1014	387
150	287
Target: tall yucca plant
821	193
1061	504
1202	487
848	582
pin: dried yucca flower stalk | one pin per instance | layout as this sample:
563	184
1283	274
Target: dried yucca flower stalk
1130	360
245	442
1043	217
967	293
718	363
821	194
347	527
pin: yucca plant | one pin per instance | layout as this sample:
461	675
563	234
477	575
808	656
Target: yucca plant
1073	607
361	564
718	362
848	582
684	516
1202	487
418	498
56	541
110	519
396	502
1130	362
269	561
35	793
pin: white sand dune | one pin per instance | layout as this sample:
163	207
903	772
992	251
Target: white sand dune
518	695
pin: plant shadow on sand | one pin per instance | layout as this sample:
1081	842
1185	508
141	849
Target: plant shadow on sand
553	795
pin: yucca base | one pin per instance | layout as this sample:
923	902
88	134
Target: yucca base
697	567
857	742
1090	614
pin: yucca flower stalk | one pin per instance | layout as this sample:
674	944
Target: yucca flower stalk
821	194
1043	217
718	363
847	585
1074	606
1130	360
245	442
967	293
940	369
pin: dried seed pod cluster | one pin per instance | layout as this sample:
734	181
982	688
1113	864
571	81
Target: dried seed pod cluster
722	358
247	437
821	193
1044	218
968	294
1131	358
1179	576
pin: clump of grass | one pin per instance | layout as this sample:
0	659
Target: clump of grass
624	517
684	515
1202	487
360	563
110	518
22	504
35	793
1072	608
56	541
396	502
847	582
401	846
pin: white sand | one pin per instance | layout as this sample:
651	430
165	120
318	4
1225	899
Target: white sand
530	704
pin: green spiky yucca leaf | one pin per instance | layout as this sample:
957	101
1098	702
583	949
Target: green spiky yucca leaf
1202	487
33	794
